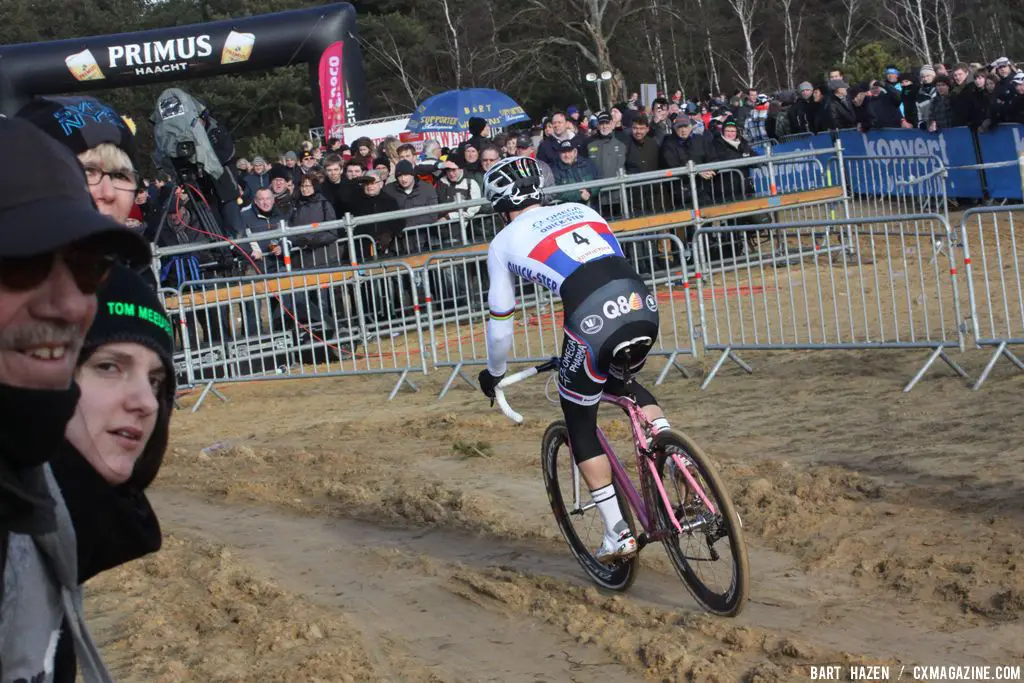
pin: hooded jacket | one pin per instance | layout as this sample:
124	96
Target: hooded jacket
40	567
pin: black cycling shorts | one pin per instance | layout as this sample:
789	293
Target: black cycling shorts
606	304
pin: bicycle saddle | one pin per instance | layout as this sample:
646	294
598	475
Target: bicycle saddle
622	353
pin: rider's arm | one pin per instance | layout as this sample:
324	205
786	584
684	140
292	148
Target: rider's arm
501	299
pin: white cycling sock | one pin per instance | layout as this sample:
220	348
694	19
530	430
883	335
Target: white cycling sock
608	505
659	424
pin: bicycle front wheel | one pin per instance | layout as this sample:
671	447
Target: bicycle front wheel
709	554
577	516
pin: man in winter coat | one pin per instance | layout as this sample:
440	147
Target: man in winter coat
570	170
373	201
641	157
409	192
879	105
1013	110
684	146
283	188
607	150
969	100
803	115
641	150
838	112
263	216
334	188
730	146
660	125
257	177
1005	89
47	304
941	114
457	184
548	151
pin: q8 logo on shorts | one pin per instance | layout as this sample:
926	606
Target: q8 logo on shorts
622	306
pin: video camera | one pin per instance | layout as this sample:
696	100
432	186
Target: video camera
185	149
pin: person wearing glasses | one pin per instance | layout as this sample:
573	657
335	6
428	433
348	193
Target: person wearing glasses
103	142
56	251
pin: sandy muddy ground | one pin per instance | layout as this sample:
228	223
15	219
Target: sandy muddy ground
345	538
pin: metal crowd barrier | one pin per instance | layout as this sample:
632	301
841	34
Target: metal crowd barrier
891	186
863	283
639	194
313	323
455	291
993	255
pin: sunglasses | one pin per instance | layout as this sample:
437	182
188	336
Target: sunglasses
89	267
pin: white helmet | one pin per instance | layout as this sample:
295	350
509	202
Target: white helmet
513	184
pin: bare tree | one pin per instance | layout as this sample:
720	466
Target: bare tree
456	52
745	11
848	29
716	86
944	11
792	38
905	21
588	26
658	53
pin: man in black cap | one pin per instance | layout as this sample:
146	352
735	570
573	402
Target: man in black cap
571	169
56	250
606	147
283	188
684	146
409	192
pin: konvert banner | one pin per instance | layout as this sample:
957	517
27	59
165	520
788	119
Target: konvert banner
891	150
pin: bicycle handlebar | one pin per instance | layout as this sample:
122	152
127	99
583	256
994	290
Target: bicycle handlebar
499	394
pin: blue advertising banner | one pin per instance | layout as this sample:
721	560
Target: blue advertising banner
789	176
894	162
901	162
1003	143
905	170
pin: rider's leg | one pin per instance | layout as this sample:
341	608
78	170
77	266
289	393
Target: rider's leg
644	398
593	464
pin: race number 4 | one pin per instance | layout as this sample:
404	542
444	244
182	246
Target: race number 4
583	244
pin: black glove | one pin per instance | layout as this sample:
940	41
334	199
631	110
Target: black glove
488	382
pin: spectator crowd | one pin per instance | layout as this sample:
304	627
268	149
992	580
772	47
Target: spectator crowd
324	181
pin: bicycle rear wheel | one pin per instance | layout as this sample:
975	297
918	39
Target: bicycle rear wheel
577	516
700	558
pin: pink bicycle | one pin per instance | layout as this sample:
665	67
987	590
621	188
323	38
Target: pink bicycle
682	503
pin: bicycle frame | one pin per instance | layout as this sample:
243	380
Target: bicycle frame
644	458
642	450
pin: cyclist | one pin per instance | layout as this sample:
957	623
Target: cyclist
570	250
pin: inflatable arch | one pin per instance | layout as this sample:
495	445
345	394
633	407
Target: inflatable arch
323	37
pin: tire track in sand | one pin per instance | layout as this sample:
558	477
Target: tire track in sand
402	602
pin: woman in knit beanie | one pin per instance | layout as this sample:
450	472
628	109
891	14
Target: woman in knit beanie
103	141
116	440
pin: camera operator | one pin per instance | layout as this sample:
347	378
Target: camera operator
197	152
